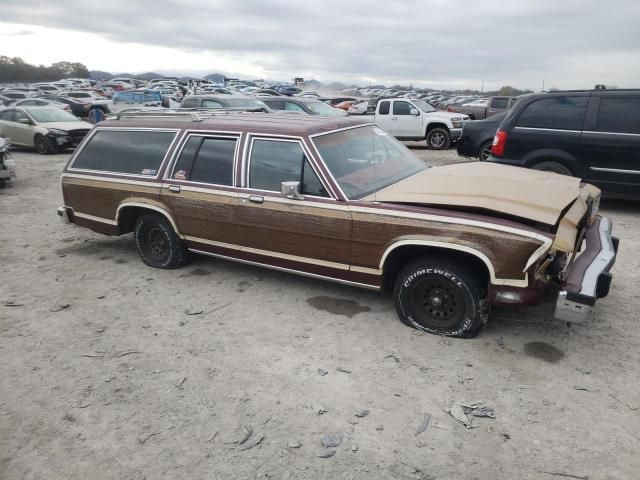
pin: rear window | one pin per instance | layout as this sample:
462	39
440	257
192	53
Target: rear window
121	151
562	113
619	115
499	103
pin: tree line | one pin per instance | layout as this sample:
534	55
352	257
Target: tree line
15	69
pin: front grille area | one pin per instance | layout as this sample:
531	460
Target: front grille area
78	135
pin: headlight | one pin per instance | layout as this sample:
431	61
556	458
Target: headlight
457	123
58	133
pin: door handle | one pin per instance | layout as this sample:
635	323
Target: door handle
256	198
174	188
394	118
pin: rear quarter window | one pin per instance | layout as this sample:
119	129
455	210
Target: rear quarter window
561	113
122	151
619	115
499	103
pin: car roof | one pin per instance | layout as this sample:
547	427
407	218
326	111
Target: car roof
233	121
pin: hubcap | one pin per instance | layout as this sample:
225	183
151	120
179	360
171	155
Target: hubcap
437	140
438	303
485	152
156	243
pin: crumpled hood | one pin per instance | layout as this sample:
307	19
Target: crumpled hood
66	126
524	193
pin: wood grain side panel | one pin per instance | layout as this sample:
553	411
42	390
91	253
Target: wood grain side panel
301	230
101	198
374	233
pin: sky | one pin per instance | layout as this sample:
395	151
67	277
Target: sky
427	43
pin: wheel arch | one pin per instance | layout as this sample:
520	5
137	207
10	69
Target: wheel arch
434	125
398	254
129	211
558	156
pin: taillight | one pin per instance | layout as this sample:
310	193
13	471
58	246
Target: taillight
66	107
499	141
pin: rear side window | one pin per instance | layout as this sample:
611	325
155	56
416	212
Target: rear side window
562	113
190	103
499	103
619	115
122	151
7	115
384	108
207	160
206	103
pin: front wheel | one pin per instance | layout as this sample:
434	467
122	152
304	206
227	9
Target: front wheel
43	145
438	139
440	296
158	244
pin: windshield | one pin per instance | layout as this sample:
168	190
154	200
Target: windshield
321	108
46	115
245	103
364	160
424	106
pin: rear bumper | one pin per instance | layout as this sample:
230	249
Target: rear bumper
589	277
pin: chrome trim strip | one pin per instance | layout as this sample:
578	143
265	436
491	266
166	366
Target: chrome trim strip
615	170
268	253
94	218
288	270
212	191
613	133
547	129
110	179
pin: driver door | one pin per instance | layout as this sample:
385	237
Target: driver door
405	124
310	234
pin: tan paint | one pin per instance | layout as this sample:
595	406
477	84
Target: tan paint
539	196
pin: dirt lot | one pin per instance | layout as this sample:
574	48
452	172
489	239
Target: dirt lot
113	370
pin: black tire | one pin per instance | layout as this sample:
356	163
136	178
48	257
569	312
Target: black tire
485	150
43	145
158	244
440	296
438	139
554	167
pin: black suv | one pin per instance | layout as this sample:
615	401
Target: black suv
592	134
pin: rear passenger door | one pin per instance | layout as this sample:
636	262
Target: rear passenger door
610	144
199	190
310	234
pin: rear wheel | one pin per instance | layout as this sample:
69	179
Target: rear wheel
485	150
440	296
43	145
438	139
554	167
158	244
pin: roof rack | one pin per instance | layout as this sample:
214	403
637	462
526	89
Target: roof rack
196	114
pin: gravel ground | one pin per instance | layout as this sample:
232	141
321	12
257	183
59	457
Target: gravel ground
113	370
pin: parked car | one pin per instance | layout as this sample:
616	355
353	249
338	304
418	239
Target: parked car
494	106
411	119
48	130
41	102
363	107
14	95
7	163
77	107
346	105
123	100
223	101
95	100
591	134
477	137
339	199
309	106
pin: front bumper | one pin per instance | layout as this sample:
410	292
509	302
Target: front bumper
589	277
455	133
65	214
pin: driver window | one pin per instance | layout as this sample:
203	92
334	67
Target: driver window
211	104
273	162
402	108
18	115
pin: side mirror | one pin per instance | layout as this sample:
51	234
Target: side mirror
414	111
291	190
25	121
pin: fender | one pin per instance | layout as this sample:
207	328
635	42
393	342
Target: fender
151	205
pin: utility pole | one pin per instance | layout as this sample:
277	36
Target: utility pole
482	88
543	85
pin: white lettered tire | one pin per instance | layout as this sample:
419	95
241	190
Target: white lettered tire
440	296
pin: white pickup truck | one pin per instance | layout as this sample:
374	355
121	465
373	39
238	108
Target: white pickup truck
408	119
